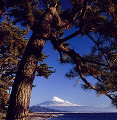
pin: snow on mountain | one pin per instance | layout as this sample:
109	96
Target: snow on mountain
62	105
56	102
57	99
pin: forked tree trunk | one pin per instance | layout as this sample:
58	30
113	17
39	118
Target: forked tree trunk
21	91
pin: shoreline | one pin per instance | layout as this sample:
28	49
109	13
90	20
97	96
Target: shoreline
47	116
39	116
34	116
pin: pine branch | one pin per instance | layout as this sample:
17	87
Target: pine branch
78	63
8	73
84	79
98	47
81	25
76	56
30	14
69	37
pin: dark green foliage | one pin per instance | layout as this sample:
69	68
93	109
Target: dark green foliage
12	46
44	70
25	11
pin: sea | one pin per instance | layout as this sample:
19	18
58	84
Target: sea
86	116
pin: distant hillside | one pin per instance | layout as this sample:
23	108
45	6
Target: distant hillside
42	109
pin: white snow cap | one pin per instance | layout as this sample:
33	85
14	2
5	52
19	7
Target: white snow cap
57	99
61	102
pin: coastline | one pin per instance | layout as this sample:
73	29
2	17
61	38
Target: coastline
72	116
34	116
39	116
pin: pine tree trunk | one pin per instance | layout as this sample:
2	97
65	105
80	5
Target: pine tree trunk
21	91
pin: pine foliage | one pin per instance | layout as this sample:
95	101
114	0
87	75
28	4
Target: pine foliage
12	46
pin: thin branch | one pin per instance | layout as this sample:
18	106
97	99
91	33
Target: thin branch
98	46
8	73
1	71
90	85
75	55
83	78
12	79
69	37
4	61
77	32
61	58
30	13
97	78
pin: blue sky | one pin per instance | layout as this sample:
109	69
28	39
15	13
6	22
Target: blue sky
60	86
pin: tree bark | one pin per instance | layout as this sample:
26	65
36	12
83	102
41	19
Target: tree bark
21	91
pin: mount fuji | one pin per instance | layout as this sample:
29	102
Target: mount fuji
56	102
56	105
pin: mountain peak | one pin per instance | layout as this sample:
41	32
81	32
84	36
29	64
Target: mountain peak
57	99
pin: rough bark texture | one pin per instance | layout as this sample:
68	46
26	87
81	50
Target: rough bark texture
20	96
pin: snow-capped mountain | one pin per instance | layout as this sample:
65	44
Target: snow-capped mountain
55	101
61	105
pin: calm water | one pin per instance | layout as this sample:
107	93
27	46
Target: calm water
87	116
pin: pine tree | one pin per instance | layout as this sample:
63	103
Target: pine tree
93	18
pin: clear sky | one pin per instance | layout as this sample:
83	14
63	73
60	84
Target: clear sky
60	86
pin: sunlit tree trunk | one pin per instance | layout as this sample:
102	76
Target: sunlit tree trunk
21	91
